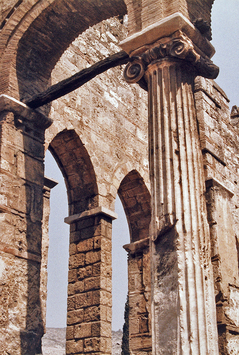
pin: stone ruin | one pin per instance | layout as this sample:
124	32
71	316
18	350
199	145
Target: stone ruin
162	138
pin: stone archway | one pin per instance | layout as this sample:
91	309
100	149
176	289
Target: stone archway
135	198
77	169
88	245
36	35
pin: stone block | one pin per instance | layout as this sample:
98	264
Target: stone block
106	298
87	232
7	158
232	312
106	329
74	317
85	272
72	275
71	303
79	287
141	342
71	290
106	345
92	345
92	283
106	283
97	242
137	301
29	168
134	325
96	329
83	331
85	245
100	230
92	257
106	257
72	249
76	261
143	324
96	269
106	271
70	332
96	297
83	300
74	347
137	280
232	343
92	314
75	236
84	223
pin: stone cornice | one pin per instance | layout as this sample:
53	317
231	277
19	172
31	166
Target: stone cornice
137	247
20	109
165	28
177	46
93	212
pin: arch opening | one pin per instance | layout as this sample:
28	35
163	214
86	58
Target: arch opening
77	169
57	232
135	199
75	165
138	263
50	34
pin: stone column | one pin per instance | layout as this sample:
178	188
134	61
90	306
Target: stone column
139	290
48	185
89	310
225	263
183	303
21	204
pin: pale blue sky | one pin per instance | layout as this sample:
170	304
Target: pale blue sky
225	27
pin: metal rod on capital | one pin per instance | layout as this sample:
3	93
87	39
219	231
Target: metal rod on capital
74	82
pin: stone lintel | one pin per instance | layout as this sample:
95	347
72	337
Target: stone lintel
93	212
167	27
48	185
212	181
136	247
10	104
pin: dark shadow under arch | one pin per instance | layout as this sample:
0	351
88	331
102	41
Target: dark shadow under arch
51	33
135	198
77	169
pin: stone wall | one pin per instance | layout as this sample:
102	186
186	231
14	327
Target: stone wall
105	107
21	207
219	140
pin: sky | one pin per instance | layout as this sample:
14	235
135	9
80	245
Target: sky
59	249
225	30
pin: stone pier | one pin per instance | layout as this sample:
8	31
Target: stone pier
183	301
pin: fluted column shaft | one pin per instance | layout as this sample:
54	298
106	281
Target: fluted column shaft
183	302
179	213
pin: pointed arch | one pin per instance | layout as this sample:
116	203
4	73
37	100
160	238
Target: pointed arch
39	32
77	169
135	198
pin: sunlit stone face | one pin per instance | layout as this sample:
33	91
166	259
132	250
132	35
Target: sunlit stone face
147	12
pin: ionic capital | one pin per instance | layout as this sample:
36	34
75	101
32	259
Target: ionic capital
178	47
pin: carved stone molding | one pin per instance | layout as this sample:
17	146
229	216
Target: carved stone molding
179	47
23	112
93	212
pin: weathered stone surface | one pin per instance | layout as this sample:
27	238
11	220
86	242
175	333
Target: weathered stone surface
100	140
